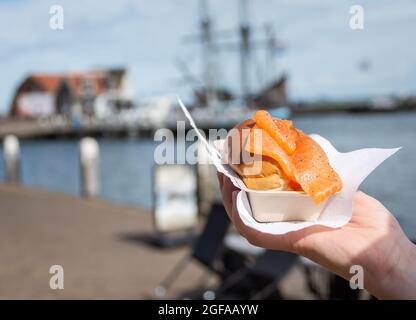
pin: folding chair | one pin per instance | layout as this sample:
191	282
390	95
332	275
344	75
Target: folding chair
206	251
269	267
325	285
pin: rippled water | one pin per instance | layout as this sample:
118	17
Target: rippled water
126	165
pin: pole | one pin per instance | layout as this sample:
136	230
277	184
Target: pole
244	49
11	150
89	161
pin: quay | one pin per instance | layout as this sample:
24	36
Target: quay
36	128
100	246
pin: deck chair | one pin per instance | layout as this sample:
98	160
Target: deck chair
326	285
268	268
206	250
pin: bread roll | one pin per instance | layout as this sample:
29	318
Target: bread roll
262	174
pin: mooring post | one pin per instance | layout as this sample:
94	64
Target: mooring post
89	162
11	150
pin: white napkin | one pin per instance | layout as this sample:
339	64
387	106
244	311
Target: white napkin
353	167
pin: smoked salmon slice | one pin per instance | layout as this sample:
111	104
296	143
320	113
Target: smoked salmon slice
313	171
281	131
270	148
307	166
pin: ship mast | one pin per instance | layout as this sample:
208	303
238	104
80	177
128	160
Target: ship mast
244	49
245	45
209	68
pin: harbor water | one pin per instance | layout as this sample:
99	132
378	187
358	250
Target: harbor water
126	164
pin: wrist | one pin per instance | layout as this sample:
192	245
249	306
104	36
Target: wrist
400	281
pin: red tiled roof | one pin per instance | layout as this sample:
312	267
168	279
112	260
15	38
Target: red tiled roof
97	80
48	82
51	82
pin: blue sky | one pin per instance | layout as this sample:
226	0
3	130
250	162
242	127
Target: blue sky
321	59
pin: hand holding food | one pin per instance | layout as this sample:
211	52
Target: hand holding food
372	239
292	162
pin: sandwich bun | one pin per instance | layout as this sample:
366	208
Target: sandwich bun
258	174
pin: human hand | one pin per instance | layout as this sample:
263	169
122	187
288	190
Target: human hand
372	239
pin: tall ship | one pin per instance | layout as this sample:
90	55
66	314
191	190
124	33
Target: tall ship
213	103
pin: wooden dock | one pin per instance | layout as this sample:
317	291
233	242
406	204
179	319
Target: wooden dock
100	246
